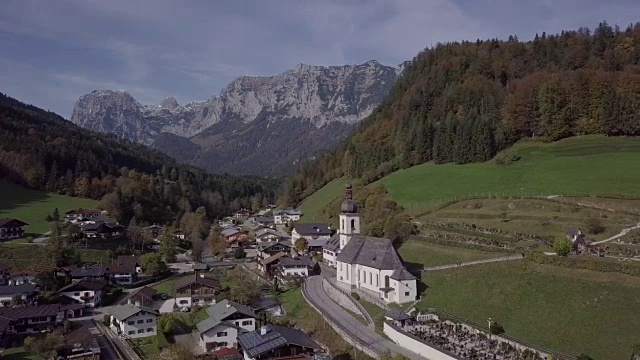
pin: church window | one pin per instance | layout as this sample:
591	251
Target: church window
353	224
406	293
370	278
343	228
377	284
386	281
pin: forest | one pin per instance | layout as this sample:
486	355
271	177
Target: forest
43	151
465	102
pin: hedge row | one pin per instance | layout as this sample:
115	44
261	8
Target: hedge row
587	263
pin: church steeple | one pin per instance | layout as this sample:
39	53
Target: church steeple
349	218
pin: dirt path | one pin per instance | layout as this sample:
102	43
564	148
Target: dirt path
619	235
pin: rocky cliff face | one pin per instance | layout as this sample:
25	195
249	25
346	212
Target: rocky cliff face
258	125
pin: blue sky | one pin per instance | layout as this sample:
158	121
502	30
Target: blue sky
53	51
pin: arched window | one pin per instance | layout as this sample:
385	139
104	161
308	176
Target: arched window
343	228
386	281
353	224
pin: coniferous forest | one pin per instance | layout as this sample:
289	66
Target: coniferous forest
464	102
43	151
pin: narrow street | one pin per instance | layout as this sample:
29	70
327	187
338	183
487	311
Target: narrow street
107	352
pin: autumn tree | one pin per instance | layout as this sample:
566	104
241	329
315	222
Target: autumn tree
562	246
152	264
243	288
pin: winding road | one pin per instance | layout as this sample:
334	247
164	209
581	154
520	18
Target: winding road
337	316
619	235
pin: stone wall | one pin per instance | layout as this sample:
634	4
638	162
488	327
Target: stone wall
343	299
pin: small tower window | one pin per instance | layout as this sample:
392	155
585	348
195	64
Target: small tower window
353	224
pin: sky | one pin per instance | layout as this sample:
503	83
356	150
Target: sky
54	51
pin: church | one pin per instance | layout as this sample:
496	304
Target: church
368	263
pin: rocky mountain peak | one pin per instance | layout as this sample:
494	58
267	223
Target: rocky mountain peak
267	112
169	103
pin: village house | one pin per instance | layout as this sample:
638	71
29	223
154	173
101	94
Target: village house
311	232
227	319
371	264
11	229
125	270
233	234
22	277
30	319
226	222
79	344
155	231
397	316
79	215
86	291
269	265
242	214
97	272
143	296
287	216
290	267
102	230
277	342
179	234
264	221
266	234
25	292
196	289
578	242
133	321
330	250
267	249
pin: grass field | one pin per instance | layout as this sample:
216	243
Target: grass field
417	252
532	216
567	310
312	206
33	206
25	256
576	166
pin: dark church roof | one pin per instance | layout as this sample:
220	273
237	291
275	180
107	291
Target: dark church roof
401	274
373	252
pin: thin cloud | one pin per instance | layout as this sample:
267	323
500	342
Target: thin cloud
55	51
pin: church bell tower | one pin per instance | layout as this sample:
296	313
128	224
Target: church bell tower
349	218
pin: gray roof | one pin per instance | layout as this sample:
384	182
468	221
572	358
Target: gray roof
96	271
226	308
24	289
299	260
317	242
290	212
229	232
377	253
313	229
333	244
123	312
397	314
262	219
209	323
266	245
255	344
265	231
402	274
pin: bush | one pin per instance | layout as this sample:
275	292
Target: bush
496	328
506	158
161	340
562	246
111	296
594	225
355	296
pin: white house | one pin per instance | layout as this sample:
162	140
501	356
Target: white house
294	266
311	232
196	289
266	234
227	319
133	321
330	250
86	291
26	293
369	263
286	216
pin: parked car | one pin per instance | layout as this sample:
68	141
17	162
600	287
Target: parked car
164	296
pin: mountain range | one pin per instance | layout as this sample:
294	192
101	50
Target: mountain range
258	125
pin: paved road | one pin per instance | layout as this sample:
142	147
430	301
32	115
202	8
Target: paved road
107	352
124	348
358	331
619	235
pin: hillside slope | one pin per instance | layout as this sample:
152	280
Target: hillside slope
463	102
43	151
258	125
587	165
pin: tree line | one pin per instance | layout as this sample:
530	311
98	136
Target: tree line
43	151
463	102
